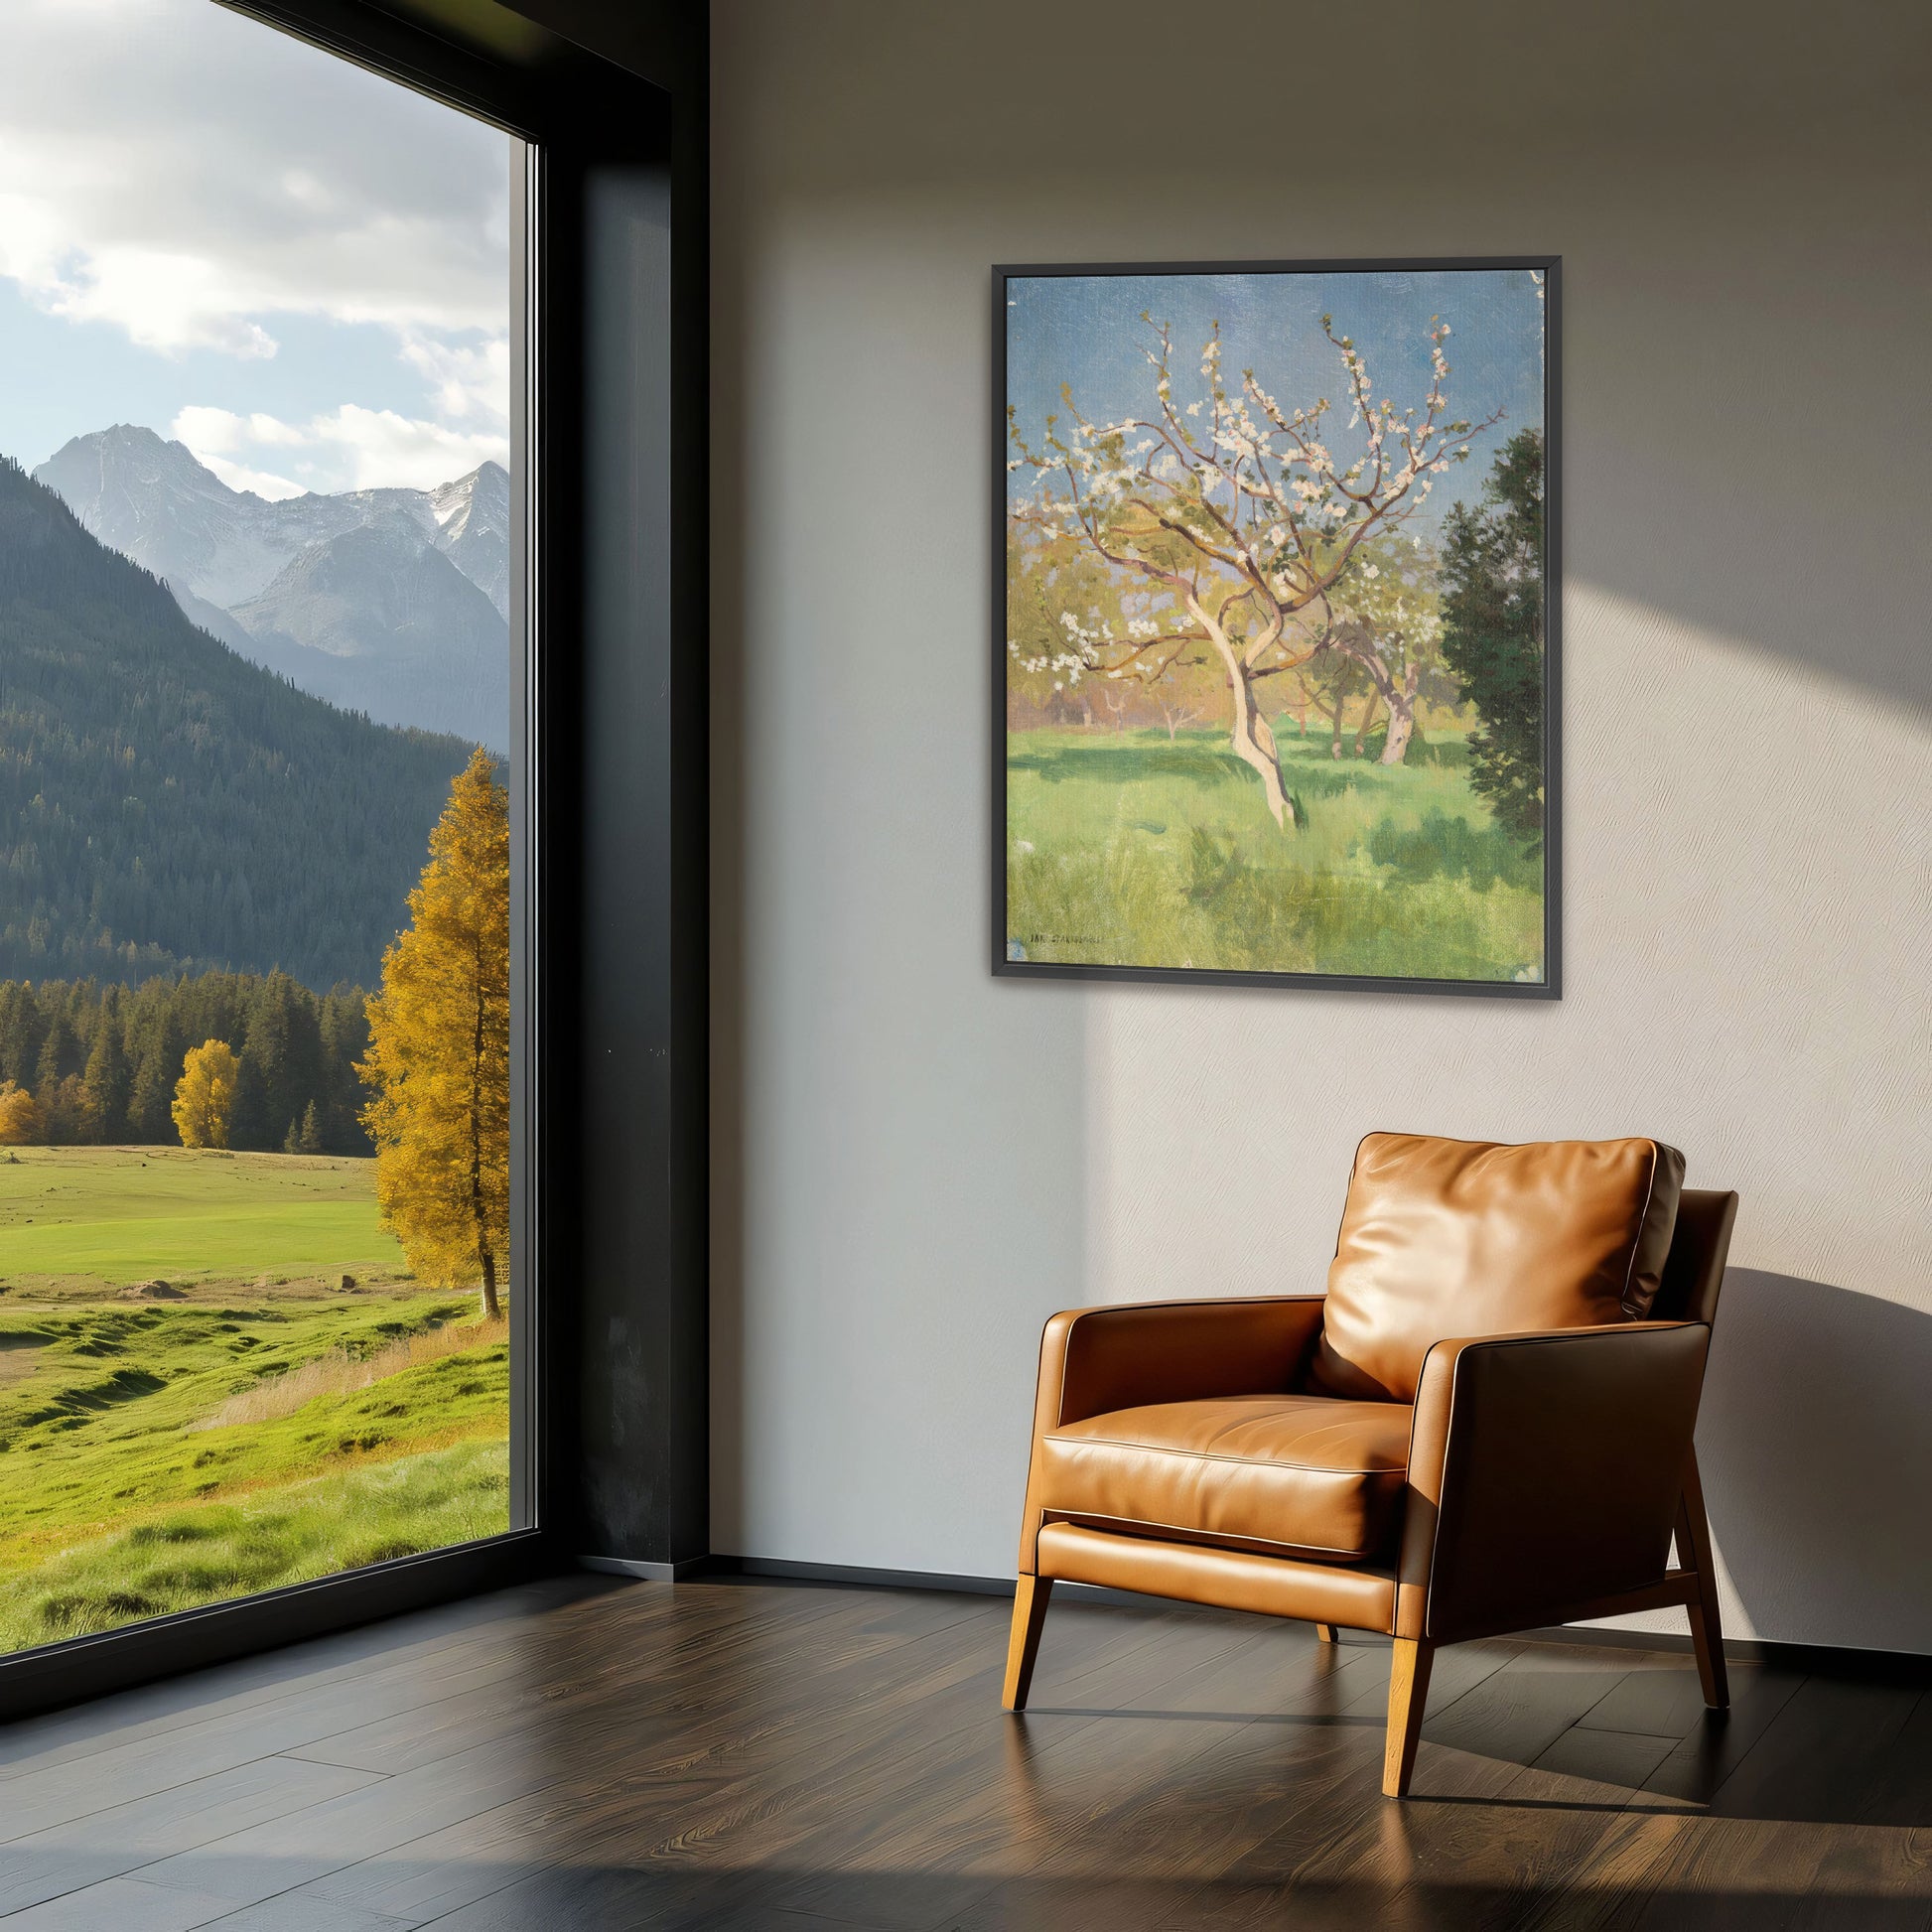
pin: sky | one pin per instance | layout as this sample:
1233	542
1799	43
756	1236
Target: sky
1086	331
299	269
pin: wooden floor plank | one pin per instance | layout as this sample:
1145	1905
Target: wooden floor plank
122	1905
761	1755
1661	1697
1011	1793
293	1912
1291	1742
1817	1760
125	1837
318	1698
1783	1842
31	1746
489	1853
772	1835
1901	1778
650	1746
1485	1834
152	1765
581	1678
1613	1763
1718	1741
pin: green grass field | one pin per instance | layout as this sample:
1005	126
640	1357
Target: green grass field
267	1426
113	1215
1126	847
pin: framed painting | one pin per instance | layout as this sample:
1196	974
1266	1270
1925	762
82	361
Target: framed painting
1275	626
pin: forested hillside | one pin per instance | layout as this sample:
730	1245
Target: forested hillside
100	1062
166	806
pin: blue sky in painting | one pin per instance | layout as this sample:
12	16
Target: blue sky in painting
1085	330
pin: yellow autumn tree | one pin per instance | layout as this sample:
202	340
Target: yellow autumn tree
20	1117
439	1060
205	1094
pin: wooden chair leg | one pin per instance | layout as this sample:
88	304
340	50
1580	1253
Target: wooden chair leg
1324	1633
1023	1645
1407	1694
1694	1552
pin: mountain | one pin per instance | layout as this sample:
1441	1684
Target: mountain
219	549
472	519
375	621
155	503
166	805
216	622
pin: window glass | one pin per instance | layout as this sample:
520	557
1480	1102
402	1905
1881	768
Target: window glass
256	753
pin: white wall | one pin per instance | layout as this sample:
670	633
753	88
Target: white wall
914	1163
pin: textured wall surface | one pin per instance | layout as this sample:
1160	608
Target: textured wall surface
914	1164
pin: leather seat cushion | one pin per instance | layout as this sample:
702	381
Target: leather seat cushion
1444	1239
1295	1473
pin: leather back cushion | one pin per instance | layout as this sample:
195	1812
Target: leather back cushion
1451	1238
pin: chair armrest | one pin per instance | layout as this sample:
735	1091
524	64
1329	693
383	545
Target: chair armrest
1093	1361
1544	1471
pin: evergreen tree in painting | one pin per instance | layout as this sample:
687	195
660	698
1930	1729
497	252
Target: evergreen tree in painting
1493	631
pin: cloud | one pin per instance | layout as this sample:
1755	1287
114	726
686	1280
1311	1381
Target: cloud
223	175
390	448
200	182
260	482
203	428
347	448
219	438
468	379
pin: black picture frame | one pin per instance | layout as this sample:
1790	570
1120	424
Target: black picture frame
1550	987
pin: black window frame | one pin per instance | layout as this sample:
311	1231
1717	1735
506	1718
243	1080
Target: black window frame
609	1354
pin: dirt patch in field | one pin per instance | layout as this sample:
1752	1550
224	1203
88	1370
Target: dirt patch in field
26	1292
18	1356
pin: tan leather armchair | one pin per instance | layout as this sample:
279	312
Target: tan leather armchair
1485	1425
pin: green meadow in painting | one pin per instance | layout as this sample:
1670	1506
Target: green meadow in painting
1276	628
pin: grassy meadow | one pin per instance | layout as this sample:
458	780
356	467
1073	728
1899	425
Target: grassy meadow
101	1216
216	1376
1128	848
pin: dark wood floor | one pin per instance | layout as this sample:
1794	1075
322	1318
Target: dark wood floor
582	1755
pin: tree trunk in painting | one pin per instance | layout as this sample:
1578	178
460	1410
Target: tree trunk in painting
1368	718
1252	737
1402	726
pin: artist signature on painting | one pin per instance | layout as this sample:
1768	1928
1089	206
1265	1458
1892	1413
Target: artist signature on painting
1017	948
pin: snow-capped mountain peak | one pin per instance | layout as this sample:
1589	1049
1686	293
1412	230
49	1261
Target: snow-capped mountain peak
473	515
156	502
485	491
331	590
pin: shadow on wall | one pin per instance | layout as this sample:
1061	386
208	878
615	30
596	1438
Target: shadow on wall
1816	1439
1728	187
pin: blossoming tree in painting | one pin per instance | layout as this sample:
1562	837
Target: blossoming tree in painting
1384	621
1231	541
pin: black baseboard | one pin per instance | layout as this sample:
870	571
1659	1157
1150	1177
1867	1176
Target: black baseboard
783	1571
1818	1660
643	1569
165	1646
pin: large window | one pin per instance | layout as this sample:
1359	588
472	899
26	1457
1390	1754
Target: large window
261	640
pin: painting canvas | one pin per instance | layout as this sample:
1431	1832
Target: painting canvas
1275	628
